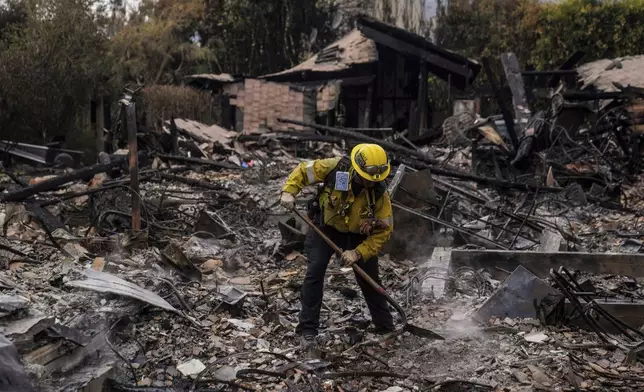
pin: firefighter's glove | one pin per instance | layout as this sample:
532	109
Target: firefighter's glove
350	257
287	201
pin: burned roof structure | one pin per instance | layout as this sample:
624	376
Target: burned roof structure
383	72
363	48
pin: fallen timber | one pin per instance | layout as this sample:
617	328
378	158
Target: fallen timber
53	183
424	160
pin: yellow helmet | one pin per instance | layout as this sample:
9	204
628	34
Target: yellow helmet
371	162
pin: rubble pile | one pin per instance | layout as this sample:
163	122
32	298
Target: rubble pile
169	266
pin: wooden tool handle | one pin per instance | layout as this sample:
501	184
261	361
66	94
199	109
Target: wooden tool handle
356	268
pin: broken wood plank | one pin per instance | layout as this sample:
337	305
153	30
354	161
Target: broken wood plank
53	183
540	263
45	354
12	373
76	357
199	161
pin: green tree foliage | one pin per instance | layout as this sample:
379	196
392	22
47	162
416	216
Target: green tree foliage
255	37
49	69
541	33
155	46
478	28
602	29
13	14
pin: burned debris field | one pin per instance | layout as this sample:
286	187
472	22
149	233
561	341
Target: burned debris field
153	249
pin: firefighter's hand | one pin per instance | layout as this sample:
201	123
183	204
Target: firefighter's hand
287	201
350	257
365	227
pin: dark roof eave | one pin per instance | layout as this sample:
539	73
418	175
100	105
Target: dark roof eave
457	69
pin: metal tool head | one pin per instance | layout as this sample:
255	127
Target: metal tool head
422	332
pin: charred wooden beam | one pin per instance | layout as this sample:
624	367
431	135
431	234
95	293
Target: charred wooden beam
422	160
54	183
594	96
500	99
540	263
421	120
174	136
570	63
357	136
130	116
557	72
522	112
295	136
413	50
487	180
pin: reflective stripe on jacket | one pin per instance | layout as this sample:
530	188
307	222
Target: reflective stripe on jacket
356	208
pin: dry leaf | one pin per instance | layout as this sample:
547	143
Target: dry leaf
293	255
550	179
98	264
491	135
212	265
98	180
597	368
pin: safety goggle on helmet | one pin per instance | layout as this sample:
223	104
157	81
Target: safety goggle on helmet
371	162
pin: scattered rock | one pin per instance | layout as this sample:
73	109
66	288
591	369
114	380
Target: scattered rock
242	325
521	377
538	375
145	382
211	265
191	368
536	337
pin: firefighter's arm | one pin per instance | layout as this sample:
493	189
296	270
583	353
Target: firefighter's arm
307	173
379	237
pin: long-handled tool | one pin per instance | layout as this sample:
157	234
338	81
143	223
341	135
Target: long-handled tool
414	330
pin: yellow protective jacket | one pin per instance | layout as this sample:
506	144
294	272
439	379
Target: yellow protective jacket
349	214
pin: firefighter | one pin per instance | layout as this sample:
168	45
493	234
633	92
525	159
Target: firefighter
353	209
